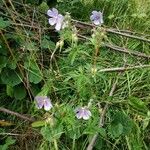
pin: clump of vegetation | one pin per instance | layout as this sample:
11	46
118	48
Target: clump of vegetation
74	74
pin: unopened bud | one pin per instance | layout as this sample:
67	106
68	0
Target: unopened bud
93	35
50	120
59	44
93	70
74	37
90	103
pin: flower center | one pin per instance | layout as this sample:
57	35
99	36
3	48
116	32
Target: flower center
97	17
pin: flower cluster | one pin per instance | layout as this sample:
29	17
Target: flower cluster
44	101
59	21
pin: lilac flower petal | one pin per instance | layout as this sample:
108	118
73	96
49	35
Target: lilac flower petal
101	19
58	26
87	114
47	104
97	17
55	18
59	22
49	13
86	117
94	12
53	12
78	112
43	101
83	113
39	101
96	22
79	115
52	21
39	105
92	17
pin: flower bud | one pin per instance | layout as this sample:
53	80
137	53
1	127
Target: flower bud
93	70
74	38
90	103
60	44
50	120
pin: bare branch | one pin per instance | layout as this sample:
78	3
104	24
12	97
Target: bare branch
113	31
125	50
119	49
16	114
120	69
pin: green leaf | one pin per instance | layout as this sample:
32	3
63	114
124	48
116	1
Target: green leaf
115	130
91	130
19	92
12	64
3	23
31	46
10	77
99	144
35	89
121	125
43	7
35	76
51	133
38	124
138	104
3	61
73	54
45	89
135	142
3	49
47	44
4	147
95	129
73	132
9	90
146	121
10	141
34	72
102	132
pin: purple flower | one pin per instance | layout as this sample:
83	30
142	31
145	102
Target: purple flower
56	19
43	101
83	112
97	17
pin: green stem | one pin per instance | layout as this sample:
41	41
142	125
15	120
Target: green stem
128	144
73	144
55	144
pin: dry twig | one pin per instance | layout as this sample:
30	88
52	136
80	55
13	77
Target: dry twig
113	31
16	114
119	49
121	69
